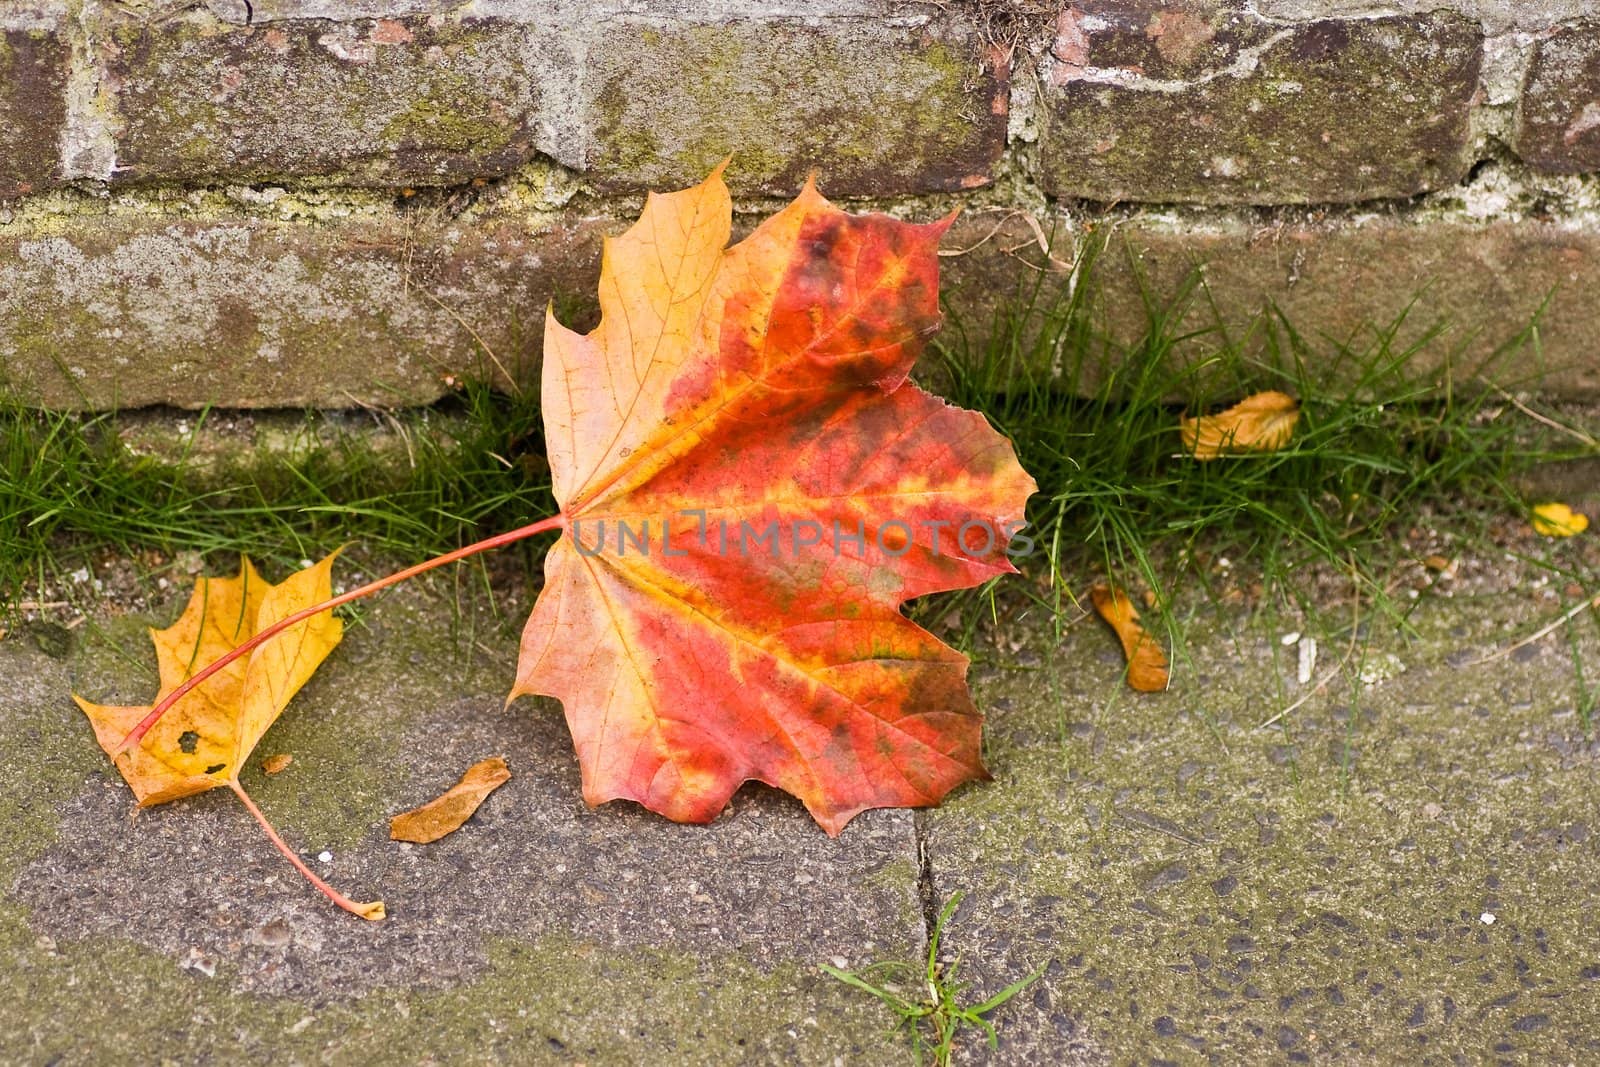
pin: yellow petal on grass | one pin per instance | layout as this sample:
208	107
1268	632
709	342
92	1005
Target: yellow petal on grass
1260	423
445	814
1147	664
1558	520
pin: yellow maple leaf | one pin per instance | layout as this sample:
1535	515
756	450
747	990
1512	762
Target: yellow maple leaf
1558	520
1263	422
205	739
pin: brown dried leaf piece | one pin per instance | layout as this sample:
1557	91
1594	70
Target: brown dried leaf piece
277	764
445	814
1147	664
1260	423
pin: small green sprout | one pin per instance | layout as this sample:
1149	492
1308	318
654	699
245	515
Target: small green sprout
934	1020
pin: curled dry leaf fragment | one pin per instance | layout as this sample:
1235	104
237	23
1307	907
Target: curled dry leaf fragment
445	814
1147	664
1558	520
1263	422
277	764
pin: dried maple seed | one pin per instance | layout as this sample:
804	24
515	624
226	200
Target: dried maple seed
447	812
1147	663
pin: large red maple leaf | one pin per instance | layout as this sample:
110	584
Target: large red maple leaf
750	490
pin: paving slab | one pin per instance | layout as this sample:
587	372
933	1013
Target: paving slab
1402	871
541	932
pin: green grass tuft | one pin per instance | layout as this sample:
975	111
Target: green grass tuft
1395	429
926	998
72	487
1381	445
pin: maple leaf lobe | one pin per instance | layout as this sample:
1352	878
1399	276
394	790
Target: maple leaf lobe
760	388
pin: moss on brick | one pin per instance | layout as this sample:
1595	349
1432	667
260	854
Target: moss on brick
874	111
1324	111
406	101
271	313
434	124
33	78
1556	127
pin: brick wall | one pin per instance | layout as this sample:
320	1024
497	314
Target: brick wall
287	202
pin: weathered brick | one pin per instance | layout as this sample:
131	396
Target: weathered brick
1496	16
1339	280
426	92
1208	103
412	99
1558	116
34	54
108	311
876	105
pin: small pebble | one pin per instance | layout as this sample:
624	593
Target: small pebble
325	857
197	961
1487	918
1306	664
275	934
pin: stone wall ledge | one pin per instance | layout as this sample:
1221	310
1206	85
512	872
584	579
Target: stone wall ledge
270	297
